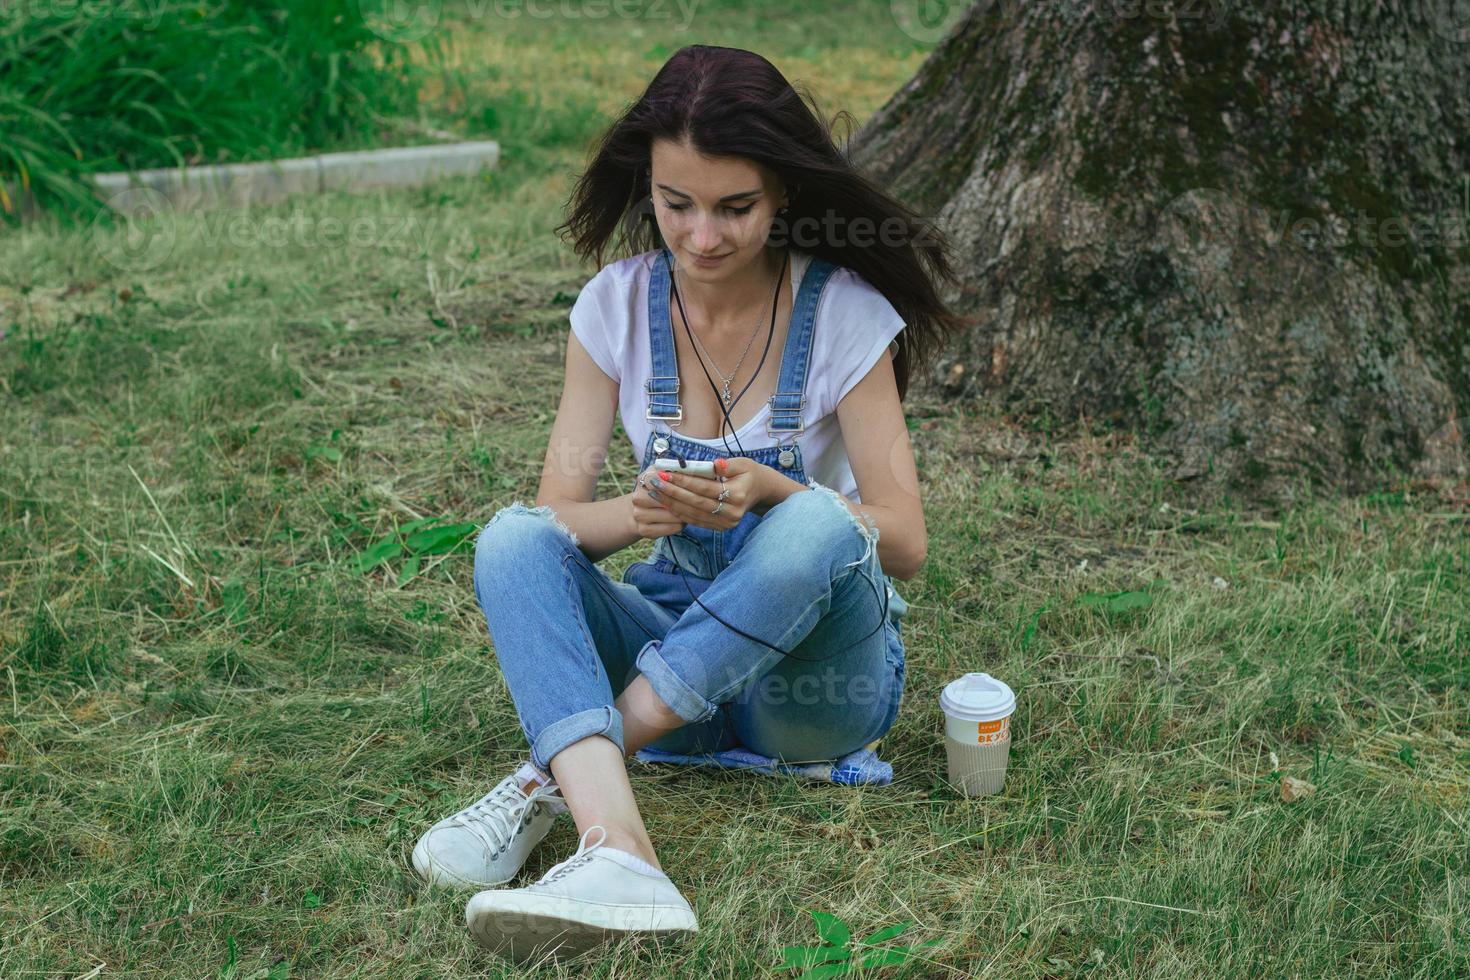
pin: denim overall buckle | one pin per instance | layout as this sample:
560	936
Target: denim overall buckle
777	422
651	414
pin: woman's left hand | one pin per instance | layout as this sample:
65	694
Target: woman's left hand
692	498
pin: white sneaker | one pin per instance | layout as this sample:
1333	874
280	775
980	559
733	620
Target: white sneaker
590	898
487	842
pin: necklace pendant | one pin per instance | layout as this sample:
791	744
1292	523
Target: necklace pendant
727	394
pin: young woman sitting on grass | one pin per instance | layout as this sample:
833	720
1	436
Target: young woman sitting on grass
764	320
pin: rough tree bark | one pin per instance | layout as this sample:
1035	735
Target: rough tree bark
1237	229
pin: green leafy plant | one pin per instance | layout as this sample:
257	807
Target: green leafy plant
1123	601
1029	633
328	451
415	541
1115	602
838	954
120	86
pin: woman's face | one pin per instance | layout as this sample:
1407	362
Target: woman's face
714	213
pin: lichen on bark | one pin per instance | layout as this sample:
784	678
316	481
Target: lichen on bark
1239	230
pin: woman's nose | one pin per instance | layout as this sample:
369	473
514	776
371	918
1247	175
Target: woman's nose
706	235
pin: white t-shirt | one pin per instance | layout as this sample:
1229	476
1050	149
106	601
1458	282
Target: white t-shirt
854	324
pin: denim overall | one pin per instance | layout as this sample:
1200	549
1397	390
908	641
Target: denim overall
703	553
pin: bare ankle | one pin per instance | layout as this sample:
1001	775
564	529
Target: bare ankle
631	844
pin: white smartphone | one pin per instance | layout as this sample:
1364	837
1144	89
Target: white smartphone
692	467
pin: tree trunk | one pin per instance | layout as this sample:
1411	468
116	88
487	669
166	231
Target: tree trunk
1237	230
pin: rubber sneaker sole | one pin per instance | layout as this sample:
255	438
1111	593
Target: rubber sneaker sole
529	926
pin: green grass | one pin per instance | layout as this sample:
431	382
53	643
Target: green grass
90	86
219	739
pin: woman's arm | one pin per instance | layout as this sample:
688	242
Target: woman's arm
882	459
575	456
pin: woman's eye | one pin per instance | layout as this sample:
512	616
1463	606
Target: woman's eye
732	210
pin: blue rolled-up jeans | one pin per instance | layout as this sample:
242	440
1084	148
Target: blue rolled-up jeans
803	580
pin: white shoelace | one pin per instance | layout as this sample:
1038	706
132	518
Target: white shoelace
495	818
583	855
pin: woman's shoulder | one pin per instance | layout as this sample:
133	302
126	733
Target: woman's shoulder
606	314
853	297
856	323
622	272
613	292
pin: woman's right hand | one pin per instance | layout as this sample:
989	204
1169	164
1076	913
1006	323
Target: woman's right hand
651	519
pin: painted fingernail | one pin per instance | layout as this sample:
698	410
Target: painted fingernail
664	475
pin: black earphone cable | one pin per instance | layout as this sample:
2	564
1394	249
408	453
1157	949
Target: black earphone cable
765	351
883	599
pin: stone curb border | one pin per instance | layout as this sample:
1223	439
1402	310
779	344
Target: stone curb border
267	181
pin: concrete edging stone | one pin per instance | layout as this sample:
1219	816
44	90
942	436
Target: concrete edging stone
267	181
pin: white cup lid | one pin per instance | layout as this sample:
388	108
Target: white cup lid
977	697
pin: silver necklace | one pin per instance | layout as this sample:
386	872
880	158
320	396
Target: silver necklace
725	380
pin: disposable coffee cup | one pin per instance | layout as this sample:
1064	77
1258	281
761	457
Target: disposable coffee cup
977	732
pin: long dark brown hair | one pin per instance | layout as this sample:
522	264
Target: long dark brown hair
732	102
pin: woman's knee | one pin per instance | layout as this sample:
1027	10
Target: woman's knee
515	537
810	524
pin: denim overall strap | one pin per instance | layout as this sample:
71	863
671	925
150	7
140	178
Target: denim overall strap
787	403
663	385
790	397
